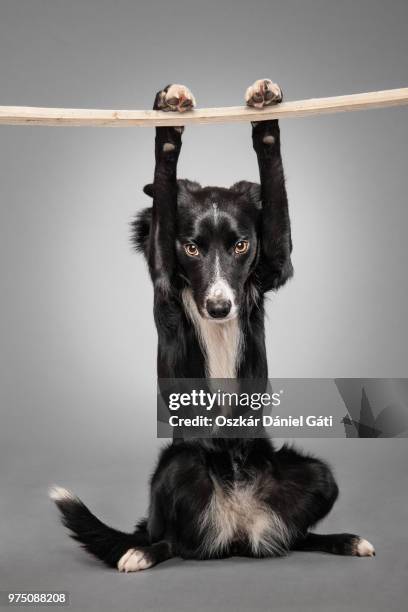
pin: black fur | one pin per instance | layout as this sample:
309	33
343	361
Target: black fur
300	488
218	497
259	213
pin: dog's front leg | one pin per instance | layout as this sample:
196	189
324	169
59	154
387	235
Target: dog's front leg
275	265
161	252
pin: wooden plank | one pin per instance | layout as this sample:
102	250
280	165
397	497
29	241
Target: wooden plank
25	115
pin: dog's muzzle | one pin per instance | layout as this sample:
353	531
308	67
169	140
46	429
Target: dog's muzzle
218	308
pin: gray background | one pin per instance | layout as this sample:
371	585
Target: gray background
77	335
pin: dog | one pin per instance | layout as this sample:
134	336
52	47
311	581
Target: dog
213	254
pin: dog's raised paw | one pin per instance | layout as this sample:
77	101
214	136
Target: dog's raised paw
176	98
134	560
363	548
263	92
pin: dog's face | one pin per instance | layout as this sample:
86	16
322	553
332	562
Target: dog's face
217	244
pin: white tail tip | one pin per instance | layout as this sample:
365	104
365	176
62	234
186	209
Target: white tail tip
60	494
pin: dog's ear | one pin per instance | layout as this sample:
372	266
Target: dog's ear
187	185
148	190
185	189
249	190
141	230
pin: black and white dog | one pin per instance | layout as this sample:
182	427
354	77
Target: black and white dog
212	254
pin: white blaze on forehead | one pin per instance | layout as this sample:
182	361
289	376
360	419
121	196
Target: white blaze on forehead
215	212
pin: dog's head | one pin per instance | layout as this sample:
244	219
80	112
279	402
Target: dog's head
216	243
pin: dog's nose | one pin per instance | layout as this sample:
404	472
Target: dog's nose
218	309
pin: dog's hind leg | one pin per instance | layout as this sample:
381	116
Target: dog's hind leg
107	544
309	491
129	552
336	544
143	557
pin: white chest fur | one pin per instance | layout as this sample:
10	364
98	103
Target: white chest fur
221	342
239	510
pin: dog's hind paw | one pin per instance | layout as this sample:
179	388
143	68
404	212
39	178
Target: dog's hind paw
263	92
362	548
176	98
134	560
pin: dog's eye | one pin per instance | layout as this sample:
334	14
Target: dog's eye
191	250
241	247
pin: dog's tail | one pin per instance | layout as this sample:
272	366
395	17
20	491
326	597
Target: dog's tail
105	543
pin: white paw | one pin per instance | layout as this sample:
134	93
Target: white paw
363	548
263	93
177	98
134	560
